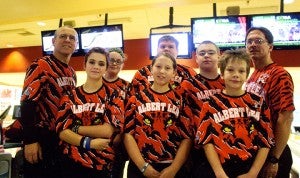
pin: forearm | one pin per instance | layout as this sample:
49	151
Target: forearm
214	161
182	154
97	131
259	161
133	150
70	137
282	132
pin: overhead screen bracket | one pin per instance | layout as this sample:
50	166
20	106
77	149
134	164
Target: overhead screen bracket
171	25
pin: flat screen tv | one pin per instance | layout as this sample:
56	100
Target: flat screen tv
228	32
184	44
47	46
108	36
284	27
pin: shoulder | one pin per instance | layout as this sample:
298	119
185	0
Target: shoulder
188	69
277	70
125	82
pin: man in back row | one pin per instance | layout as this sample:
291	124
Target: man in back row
143	77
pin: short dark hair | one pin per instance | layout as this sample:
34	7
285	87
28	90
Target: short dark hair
234	54
168	38
268	34
168	55
209	42
97	50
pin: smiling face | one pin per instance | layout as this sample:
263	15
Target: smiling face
65	41
116	62
95	66
235	74
163	71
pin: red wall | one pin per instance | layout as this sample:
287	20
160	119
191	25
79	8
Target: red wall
18	59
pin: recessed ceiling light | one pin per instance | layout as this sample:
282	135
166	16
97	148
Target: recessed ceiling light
41	24
9	45
288	1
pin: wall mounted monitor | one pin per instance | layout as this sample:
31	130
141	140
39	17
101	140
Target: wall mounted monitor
228	32
109	36
47	46
284	27
184	44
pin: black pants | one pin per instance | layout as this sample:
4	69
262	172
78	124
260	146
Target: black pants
202	168
71	169
285	163
120	160
134	172
49	167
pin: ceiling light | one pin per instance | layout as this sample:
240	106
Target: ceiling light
41	24
9	45
288	1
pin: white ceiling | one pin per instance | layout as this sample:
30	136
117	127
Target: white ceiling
18	19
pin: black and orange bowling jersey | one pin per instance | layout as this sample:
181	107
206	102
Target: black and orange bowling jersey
143	77
276	85
237	126
47	80
86	109
119	84
158	123
213	85
198	90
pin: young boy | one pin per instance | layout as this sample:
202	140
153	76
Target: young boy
235	129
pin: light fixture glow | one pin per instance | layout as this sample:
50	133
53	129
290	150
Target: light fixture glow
41	24
288	1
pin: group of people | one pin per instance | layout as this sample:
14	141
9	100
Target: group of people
168	121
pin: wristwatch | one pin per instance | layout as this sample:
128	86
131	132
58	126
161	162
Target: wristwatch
273	159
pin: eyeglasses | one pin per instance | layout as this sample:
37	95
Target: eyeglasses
65	37
209	52
257	41
115	61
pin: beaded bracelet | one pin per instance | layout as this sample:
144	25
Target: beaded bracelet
144	167
75	128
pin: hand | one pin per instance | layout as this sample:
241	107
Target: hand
150	172
247	175
100	143
33	152
116	140
269	170
168	172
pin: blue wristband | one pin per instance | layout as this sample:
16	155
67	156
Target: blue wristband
87	143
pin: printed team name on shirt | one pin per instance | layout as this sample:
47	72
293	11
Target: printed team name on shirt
205	94
65	81
255	88
258	86
157	106
96	107
239	112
